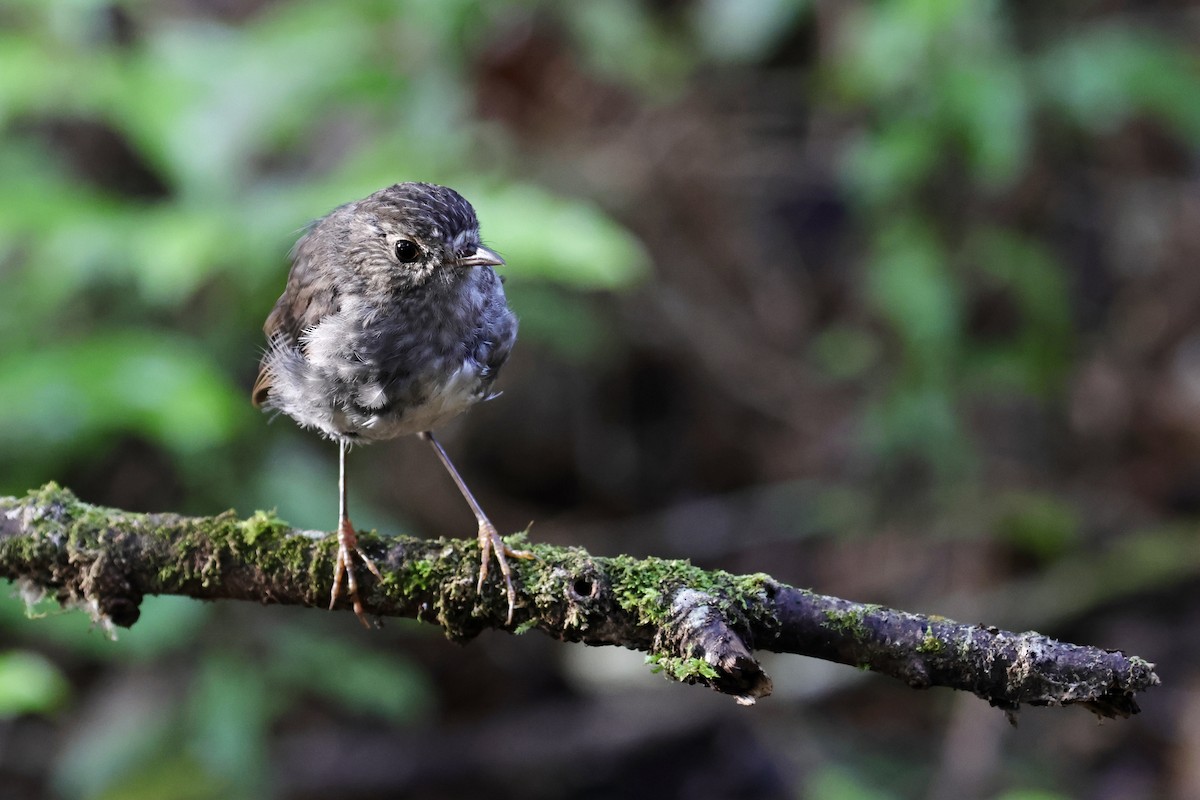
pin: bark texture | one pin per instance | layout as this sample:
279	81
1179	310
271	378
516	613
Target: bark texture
695	625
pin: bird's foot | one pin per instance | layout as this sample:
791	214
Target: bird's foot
491	542
347	549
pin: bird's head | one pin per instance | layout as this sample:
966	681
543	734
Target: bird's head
409	234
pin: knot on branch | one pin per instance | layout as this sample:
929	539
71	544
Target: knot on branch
106	590
75	558
699	644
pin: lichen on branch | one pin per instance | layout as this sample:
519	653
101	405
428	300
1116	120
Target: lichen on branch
697	626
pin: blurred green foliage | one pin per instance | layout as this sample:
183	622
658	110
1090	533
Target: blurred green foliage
198	733
840	783
951	102
138	314
117	310
130	309
30	684
1040	525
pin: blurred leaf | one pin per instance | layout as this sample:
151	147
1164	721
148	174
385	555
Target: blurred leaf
47	621
116	743
890	49
987	107
621	39
156	384
1039	524
744	30
229	708
932	75
299	483
910	284
887	165
562	320
920	421
354	677
167	251
29	684
558	239
51	67
1032	794
67	243
1037	357
204	99
1106	74
37	193
172	777
838	783
912	287
166	624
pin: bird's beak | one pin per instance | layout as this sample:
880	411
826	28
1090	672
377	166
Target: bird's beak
482	257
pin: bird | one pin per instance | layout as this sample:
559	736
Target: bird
392	322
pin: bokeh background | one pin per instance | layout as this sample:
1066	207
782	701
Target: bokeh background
898	300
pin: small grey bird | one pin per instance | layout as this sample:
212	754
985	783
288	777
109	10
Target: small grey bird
392	322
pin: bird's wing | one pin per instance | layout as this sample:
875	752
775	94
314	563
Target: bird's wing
310	295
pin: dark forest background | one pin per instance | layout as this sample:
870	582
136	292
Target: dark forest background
895	300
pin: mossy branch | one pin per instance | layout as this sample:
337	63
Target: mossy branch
697	626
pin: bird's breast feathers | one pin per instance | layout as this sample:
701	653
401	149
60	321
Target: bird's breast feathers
441	402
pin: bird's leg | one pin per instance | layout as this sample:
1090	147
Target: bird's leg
347	548
489	538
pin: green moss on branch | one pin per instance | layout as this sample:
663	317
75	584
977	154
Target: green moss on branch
697	626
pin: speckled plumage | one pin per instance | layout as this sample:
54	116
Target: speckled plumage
392	322
363	347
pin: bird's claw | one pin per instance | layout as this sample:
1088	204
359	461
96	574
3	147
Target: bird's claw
347	549
491	542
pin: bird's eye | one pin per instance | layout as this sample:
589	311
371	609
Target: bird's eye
406	251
